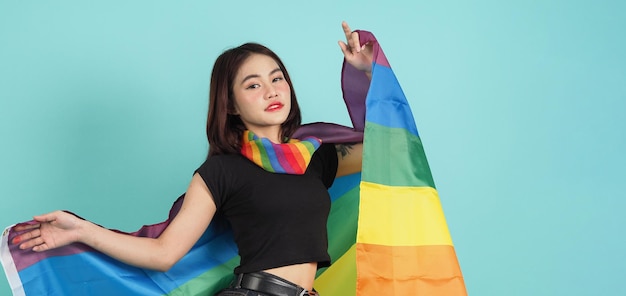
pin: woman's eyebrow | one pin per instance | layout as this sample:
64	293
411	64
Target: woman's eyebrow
257	75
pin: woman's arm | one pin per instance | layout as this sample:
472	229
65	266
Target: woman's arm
350	157
360	56
58	228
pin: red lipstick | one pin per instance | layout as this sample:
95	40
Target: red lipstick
274	107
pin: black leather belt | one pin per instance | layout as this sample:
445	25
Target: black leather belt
268	283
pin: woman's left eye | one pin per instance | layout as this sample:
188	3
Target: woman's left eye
277	79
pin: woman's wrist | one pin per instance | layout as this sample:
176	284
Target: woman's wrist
86	232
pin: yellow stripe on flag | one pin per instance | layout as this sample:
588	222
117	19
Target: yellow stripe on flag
256	154
401	216
339	278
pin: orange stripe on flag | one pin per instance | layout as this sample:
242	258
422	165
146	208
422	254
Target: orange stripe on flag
412	270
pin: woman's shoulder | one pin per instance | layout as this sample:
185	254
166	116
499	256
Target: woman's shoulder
326	148
220	162
223	157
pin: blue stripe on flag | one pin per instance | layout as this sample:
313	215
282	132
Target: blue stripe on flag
95	270
86	274
386	103
200	259
344	184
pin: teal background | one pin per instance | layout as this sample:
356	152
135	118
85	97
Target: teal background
519	104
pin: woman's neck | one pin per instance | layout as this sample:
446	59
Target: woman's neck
270	134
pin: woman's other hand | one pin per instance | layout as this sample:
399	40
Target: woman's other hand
54	230
356	54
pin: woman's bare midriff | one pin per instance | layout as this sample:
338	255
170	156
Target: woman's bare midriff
302	275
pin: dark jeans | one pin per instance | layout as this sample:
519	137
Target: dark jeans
238	292
246	292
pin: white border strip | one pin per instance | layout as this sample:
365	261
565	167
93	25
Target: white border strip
9	266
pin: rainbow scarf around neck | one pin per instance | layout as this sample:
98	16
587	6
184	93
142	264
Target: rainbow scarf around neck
386	229
292	157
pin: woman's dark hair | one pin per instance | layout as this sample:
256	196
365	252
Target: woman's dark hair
224	130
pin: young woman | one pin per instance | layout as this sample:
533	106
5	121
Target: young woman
277	205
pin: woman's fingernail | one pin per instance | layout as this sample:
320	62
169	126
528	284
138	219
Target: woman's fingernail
16	240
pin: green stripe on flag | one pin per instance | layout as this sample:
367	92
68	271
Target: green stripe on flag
265	159
210	282
397	157
342	223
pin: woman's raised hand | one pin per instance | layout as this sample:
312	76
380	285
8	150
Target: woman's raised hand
356	54
54	230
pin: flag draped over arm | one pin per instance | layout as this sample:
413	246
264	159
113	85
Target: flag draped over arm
387	232
77	269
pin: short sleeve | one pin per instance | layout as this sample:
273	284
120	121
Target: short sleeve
328	155
216	179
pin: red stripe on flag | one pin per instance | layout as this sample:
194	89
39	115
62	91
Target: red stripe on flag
288	162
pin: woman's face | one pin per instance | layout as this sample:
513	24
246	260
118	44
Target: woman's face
262	96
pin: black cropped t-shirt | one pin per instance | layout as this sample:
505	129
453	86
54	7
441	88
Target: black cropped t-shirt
277	219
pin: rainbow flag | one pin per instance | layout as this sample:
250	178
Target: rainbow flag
387	232
403	246
80	270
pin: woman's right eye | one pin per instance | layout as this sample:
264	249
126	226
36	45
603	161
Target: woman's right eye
251	86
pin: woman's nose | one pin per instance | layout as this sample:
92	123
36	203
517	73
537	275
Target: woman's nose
271	92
